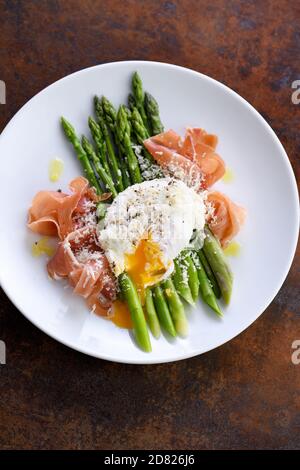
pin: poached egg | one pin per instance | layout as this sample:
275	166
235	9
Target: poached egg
147	226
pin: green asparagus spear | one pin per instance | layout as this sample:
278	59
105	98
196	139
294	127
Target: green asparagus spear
82	156
136	312
180	279
99	143
140	132
151	314
109	145
101	210
176	308
163	312
132	135
131	101
216	258
192	278
128	112
206	291
107	181
152	111
110	113
110	116
209	274
149	169
139	126
139	97
123	132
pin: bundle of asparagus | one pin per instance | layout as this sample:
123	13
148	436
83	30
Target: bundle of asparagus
110	164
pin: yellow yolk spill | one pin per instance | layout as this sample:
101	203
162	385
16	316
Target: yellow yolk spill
233	249
42	247
56	167
229	176
121	315
145	267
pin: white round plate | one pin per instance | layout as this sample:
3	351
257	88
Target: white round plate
264	183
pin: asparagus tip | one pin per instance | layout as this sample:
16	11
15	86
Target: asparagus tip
67	127
64	121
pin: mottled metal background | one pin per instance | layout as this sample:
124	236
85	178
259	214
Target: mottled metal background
243	395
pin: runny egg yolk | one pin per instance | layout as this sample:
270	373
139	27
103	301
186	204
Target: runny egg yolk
145	267
121	315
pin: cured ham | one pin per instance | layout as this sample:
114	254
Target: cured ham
55	213
198	148
169	139
176	164
80	259
200	136
72	217
227	217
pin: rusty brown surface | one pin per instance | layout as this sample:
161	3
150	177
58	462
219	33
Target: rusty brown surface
244	394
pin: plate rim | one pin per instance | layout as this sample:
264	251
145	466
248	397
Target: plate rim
147	359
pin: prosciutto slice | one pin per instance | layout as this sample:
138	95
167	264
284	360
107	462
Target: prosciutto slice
200	148
227	217
80	259
197	148
52	213
175	164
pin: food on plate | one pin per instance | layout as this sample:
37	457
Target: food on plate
141	233
227	217
57	213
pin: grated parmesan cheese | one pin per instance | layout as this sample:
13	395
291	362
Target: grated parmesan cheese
149	170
